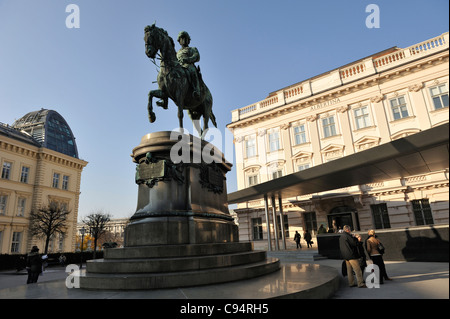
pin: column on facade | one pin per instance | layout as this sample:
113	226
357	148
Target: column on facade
275	223
262	156
419	107
315	139
266	210
381	118
238	148
346	130
287	148
283	232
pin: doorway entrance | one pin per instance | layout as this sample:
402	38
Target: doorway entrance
343	215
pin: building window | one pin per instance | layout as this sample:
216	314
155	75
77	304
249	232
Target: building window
299	134
6	170
55	183
380	216
422	212
399	108
252	180
274	141
3	202
61	205
257	229
439	94
329	126
285	225
250	147
21	204
51	243
24	174
65	182
59	136
277	173
61	242
310	222
15	244
302	167
362	118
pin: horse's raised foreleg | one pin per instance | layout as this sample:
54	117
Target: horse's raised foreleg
159	94
151	114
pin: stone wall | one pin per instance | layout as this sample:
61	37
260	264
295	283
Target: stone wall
422	243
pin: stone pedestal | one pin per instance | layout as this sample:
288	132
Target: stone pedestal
182	233
181	198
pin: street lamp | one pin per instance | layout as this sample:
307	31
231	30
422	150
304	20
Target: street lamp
82	231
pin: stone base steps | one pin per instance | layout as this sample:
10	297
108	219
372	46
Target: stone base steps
170	266
173	264
296	255
147	281
186	250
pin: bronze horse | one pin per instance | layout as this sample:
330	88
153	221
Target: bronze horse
173	82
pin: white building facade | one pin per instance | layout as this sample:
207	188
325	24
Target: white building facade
384	97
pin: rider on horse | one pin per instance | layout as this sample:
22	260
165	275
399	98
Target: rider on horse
178	78
187	56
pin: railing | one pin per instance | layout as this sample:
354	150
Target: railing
389	59
293	92
352	70
247	109
269	101
435	43
347	74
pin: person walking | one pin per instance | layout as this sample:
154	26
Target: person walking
376	250
62	260
349	251
34	265
297	238
307	237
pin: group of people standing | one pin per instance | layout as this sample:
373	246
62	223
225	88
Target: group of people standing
352	251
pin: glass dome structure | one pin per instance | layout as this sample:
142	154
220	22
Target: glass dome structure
50	129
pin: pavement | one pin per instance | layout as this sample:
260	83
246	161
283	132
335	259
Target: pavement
411	280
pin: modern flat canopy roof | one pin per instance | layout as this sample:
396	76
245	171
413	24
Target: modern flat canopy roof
420	153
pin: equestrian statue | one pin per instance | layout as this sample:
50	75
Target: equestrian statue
178	78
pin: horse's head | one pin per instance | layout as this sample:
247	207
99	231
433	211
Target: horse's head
151	40
157	39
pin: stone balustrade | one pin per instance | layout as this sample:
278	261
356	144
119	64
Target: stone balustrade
344	75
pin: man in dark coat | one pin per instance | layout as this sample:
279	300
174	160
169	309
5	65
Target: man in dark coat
307	237
349	252
34	265
297	239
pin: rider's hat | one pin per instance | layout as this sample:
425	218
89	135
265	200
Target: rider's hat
183	34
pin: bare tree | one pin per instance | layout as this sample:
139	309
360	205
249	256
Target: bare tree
97	225
48	221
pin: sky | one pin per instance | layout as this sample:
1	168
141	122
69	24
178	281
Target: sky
97	76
